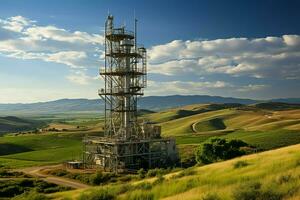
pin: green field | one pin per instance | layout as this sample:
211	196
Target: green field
190	125
40	149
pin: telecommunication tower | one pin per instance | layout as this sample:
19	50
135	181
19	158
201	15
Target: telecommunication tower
126	144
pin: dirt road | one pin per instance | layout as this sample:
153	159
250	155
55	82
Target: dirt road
38	172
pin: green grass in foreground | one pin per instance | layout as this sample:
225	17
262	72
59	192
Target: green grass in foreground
269	175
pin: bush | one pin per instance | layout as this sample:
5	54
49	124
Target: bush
156	172
101	194
99	178
31	196
219	149
247	192
185	172
140	195
159	180
59	172
240	164
211	196
284	179
142	173
253	191
144	186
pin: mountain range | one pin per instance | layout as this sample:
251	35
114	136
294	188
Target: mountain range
154	103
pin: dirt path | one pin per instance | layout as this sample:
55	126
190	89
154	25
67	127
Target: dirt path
38	172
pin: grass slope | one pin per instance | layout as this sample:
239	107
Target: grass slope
275	173
38	149
15	124
190	125
266	125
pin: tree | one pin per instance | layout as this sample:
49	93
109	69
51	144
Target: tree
219	149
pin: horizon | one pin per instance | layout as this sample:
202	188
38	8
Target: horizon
189	95
228	49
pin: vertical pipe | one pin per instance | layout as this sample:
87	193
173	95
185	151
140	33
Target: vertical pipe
105	81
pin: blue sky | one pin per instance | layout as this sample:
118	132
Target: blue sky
52	49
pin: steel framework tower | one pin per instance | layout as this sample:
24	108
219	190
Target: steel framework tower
126	144
125	77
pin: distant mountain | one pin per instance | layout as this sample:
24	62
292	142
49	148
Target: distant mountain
97	105
52	107
163	102
287	100
277	106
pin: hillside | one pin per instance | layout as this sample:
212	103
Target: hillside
96	105
15	124
202	121
190	125
268	175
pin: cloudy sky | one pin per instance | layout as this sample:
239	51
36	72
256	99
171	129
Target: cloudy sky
53	49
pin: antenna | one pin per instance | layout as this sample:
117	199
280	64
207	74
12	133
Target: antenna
126	144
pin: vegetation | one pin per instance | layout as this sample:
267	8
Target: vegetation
32	195
15	124
217	149
4	173
210	125
99	194
38	149
268	175
98	178
11	188
258	125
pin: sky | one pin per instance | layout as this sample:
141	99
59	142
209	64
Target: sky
248	49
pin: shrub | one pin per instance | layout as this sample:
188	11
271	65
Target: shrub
144	186
185	172
156	172
100	194
142	173
31	196
59	172
140	195
99	177
125	178
240	164
211	196
219	149
284	179
159	180
250	191
253	191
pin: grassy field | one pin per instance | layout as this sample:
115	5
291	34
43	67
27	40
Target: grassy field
190	125
262	125
40	149
269	175
15	124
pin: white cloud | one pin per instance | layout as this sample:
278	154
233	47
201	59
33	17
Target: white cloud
70	58
276	57
80	77
23	38
16	23
62	35
184	87
251	88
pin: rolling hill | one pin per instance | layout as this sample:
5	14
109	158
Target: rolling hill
155	103
15	124
261	125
